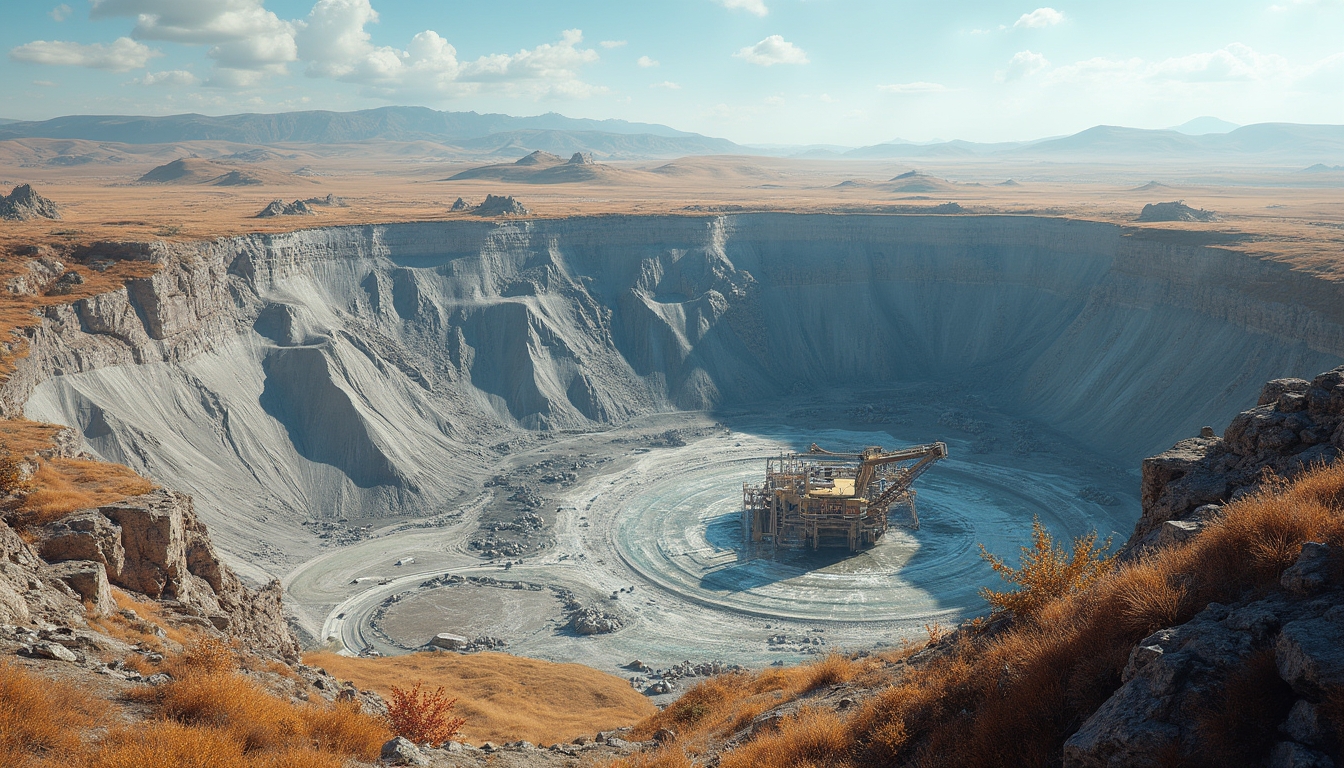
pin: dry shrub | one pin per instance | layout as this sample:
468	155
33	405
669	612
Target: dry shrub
167	744
834	669
230	703
814	738
41	718
421	716
505	698
206	656
1048	572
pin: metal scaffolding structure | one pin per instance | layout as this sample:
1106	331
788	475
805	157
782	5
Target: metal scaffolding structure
824	499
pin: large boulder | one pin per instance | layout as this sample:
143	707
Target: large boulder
88	579
24	203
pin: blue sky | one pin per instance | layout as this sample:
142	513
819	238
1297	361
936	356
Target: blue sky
847	72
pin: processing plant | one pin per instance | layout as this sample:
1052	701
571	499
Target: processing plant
824	499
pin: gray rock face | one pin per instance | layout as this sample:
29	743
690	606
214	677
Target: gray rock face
1297	424
89	580
24	203
155	545
590	621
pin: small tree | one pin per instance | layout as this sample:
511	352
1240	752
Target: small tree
1047	571
422	717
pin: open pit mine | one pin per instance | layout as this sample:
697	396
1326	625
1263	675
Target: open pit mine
534	435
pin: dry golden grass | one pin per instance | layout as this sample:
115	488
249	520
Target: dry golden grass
41	720
1013	698
210	716
61	486
505	698
132	631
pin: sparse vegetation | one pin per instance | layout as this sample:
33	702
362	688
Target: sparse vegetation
421	716
1012	697
1047	572
209	715
504	698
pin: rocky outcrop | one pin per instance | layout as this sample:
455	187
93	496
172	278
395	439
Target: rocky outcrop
1295	424
156	546
281	208
24	203
1174	211
1281	650
495	205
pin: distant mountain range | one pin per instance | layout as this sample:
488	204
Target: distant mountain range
469	130
1204	139
1263	142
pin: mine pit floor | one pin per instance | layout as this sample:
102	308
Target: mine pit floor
664	521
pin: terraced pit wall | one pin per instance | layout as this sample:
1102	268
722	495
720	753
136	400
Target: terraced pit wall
367	370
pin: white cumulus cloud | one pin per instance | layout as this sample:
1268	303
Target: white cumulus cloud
334	42
121	55
771	51
60	12
1233	63
915	87
171	77
612	43
242	34
668	85
750	6
1024	64
646	62
1041	17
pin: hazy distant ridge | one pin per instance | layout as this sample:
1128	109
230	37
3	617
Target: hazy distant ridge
387	123
1285	142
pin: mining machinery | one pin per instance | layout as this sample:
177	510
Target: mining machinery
826	499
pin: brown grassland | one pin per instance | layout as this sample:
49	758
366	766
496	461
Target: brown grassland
504	698
1012	697
60	486
212	714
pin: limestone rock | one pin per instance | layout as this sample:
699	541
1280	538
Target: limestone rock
1309	654
449	641
84	535
1295	425
89	580
1311	573
55	652
459	205
400	751
24	203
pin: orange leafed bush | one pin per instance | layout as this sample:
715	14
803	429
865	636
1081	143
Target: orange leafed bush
422	717
1047	572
